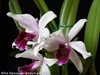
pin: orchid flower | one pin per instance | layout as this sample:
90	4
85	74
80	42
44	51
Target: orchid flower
34	30
64	48
40	62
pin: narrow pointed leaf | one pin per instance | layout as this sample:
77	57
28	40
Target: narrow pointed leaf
92	28
16	6
65	11
92	33
68	14
72	15
93	70
54	70
65	70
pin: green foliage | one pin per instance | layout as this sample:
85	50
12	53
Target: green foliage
91	37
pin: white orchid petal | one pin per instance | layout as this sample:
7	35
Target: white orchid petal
13	44
44	70
79	46
37	48
31	43
26	21
43	34
36	64
58	36
46	18
76	61
50	61
75	29
54	40
51	44
29	54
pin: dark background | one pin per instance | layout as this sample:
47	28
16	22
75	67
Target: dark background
8	30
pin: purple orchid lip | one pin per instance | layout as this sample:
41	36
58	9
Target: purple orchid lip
27	68
62	54
31	68
22	39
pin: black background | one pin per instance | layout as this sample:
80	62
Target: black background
8	30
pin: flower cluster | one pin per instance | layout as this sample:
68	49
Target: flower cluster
36	43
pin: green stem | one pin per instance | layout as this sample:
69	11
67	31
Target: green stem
54	70
41	4
93	70
65	69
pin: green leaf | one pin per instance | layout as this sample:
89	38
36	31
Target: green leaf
54	70
16	6
11	6
64	14
68	14
87	63
72	15
92	28
41	4
91	37
64	69
65	11
93	70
